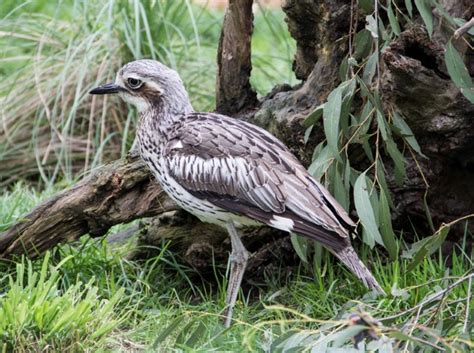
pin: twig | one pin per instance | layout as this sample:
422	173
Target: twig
432	298
464	28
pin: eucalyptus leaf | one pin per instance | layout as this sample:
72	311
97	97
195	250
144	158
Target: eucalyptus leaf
307	133
398	160
300	244
386	230
409	7
426	247
364	209
314	116
370	68
424	8
406	133
393	19
382	125
331	118
321	163
458	72
362	44
340	193
371	25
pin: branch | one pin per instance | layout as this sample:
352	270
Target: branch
233	91
464	28
118	192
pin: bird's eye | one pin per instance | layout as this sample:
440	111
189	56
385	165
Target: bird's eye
134	83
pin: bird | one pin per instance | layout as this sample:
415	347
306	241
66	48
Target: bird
229	172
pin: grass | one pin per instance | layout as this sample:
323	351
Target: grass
116	304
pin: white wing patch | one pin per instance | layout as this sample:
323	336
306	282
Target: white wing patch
282	223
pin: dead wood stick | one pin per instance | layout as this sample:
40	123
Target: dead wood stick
118	192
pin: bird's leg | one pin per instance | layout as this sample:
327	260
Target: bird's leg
238	261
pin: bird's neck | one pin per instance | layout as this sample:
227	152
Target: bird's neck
161	115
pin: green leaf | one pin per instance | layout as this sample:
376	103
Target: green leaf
314	116
458	72
319	165
364	209
307	134
366	5
340	192
362	44
331	117
393	19
371	26
344	69
300	244
388	236
426	247
382	125
370	68
424	8
406	133
409	7
398	160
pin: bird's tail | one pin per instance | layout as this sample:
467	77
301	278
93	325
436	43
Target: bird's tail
349	257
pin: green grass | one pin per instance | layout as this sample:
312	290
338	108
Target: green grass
115	304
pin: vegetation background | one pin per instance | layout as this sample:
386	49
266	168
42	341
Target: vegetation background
89	296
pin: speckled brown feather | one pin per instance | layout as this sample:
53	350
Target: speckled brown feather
244	169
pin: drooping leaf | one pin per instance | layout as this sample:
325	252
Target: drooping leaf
364	208
382	125
300	244
458	72
314	116
371	25
370	68
409	7
398	160
321	163
393	19
362	44
331	118
307	134
340	193
425	247
366	5
344	69
386	230
424	8
406	133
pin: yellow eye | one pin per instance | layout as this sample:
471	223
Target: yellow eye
134	83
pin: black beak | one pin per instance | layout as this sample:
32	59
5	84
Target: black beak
109	88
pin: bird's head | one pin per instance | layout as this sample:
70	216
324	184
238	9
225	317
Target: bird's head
148	84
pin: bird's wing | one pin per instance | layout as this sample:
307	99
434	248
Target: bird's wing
244	169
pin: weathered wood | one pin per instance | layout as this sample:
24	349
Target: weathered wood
118	192
233	90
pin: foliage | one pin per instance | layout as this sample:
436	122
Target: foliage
36	314
355	118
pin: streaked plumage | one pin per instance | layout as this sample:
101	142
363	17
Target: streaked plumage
227	171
